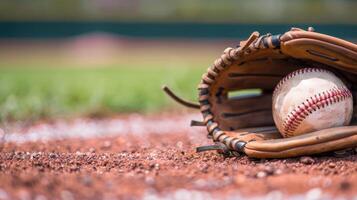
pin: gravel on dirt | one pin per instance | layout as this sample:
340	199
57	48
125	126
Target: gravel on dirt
154	165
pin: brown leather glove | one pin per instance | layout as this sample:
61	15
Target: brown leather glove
244	123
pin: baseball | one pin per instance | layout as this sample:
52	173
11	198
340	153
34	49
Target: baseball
311	99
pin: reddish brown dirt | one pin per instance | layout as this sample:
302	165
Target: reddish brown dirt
165	166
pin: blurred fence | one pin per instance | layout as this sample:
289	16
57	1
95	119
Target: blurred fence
161	30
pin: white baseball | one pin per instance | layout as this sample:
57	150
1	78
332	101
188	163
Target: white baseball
311	99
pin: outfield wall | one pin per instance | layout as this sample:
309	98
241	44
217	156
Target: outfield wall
161	30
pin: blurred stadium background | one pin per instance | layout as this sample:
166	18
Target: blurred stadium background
61	58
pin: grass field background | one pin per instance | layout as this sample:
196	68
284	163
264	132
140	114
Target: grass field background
34	93
47	80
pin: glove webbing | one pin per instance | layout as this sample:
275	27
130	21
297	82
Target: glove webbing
254	43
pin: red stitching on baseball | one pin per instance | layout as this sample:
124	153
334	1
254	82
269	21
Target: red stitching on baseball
311	105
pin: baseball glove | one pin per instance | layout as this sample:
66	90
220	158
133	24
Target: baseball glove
235	95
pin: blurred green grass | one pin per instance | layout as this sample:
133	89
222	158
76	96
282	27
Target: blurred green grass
98	75
35	93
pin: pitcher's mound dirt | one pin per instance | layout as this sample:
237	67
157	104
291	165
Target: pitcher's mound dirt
165	166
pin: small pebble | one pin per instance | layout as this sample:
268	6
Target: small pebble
155	166
278	171
269	170
52	155
332	165
307	160
179	144
261	174
92	150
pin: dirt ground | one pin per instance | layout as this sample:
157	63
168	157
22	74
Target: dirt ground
156	165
